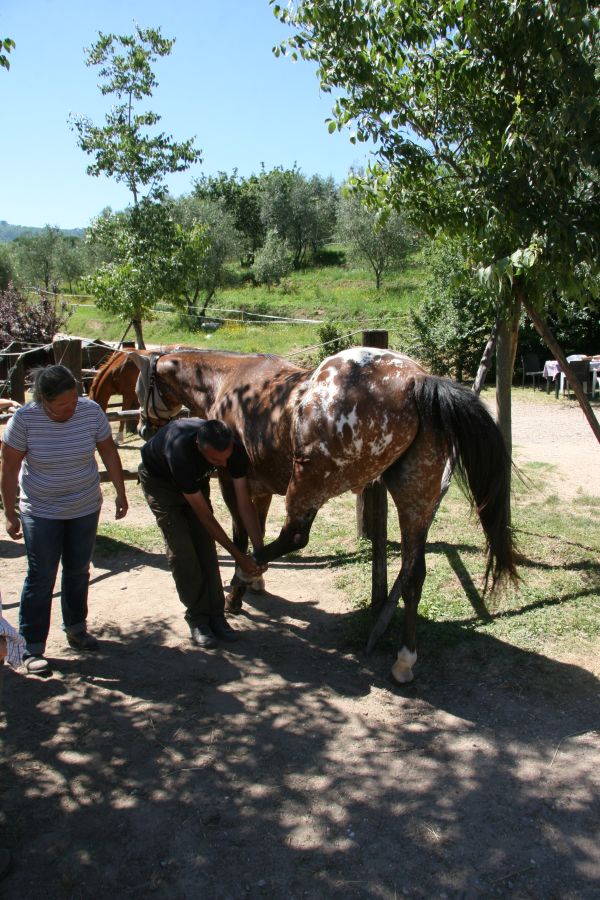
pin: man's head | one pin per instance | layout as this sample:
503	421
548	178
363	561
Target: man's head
215	442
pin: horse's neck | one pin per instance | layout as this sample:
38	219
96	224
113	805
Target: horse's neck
198	394
103	389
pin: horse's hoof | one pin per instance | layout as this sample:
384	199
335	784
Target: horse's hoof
233	604
257	586
233	610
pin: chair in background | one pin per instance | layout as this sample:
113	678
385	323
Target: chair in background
532	367
581	369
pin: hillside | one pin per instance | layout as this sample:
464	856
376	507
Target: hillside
9	232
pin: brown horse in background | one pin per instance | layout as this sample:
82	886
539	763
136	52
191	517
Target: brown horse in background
314	434
118	375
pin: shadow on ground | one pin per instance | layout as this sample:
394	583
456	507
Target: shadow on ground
287	767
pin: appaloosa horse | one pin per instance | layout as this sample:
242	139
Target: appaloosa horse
361	414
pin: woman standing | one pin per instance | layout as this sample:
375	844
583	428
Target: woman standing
51	442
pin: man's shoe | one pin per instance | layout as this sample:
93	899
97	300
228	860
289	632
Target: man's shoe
37	665
222	630
83	640
202	636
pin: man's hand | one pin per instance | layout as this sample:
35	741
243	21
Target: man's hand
13	526
249	566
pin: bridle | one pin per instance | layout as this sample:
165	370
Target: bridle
153	394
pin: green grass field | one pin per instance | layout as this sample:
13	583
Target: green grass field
343	296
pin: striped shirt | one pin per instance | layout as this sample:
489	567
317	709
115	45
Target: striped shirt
59	476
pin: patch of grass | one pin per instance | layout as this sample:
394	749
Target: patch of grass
554	608
143	537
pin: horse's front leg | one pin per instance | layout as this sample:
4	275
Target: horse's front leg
293	536
303	500
239	582
261	502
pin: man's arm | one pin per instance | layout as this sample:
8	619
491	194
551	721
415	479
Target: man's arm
198	503
247	511
112	461
9	482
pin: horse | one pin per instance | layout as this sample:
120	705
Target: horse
118	375
361	414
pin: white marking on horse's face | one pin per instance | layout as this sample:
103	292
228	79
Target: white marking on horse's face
402	668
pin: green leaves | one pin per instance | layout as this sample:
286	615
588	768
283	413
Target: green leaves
486	117
124	148
6	45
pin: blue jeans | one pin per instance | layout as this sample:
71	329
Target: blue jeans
46	542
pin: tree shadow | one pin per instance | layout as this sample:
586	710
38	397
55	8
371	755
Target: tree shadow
286	767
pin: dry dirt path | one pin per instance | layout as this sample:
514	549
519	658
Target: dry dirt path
286	767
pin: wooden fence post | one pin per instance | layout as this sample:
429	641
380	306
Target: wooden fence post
67	353
371	509
12	372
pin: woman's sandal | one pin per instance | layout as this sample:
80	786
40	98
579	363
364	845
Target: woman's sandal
37	665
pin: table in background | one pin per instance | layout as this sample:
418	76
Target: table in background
552	371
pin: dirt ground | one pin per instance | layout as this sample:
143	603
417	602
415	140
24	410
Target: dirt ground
287	766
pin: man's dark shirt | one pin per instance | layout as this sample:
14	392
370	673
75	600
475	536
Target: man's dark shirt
173	454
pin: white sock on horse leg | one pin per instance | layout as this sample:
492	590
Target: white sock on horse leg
402	669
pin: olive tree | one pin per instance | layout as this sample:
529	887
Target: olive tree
302	210
214	241
380	237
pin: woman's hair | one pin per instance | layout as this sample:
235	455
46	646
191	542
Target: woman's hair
49	382
214	434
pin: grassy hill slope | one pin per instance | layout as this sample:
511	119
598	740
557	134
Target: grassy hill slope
344	296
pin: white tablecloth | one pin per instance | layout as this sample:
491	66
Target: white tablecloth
552	369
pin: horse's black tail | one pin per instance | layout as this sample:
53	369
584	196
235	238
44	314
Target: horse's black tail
480	459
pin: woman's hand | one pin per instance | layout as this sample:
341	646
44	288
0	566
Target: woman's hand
121	506
13	526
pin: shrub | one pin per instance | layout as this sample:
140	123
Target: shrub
333	340
31	321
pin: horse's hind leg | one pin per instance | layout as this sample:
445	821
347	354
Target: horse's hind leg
414	484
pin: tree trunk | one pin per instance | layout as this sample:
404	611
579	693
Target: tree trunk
504	363
137	327
207	300
546	334
486	359
506	351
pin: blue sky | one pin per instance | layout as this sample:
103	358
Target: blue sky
221	83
